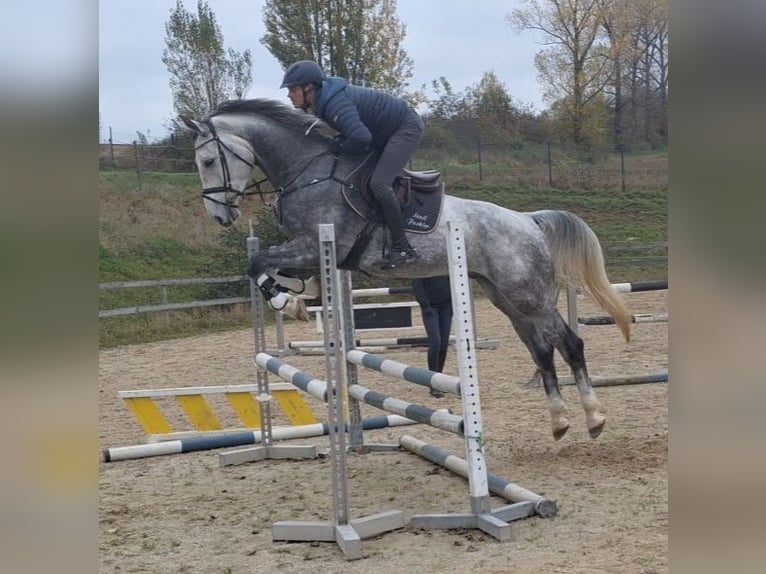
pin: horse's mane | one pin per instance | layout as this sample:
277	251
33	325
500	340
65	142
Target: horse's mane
277	111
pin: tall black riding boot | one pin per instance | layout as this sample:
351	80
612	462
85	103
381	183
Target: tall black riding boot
401	252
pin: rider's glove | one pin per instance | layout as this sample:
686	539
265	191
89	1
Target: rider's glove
337	144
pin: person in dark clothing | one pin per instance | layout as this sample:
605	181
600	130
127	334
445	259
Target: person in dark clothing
434	296
366	120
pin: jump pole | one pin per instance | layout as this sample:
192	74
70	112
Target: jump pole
309	347
390	342
230	438
539	505
419	376
631	287
637	318
620	380
574	321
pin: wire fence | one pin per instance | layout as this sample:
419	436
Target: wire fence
539	165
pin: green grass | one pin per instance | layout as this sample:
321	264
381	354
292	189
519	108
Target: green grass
161	231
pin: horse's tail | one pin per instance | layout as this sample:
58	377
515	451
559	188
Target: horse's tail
579	261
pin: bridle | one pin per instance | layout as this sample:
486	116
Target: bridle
232	196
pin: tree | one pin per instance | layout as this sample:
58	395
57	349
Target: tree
573	67
611	53
492	109
637	32
651	68
359	40
202	72
447	105
615	15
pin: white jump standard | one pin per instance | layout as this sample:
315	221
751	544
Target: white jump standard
482	516
266	450
342	530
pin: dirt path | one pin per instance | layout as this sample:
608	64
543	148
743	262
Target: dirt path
184	513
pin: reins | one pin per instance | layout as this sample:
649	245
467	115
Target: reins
233	196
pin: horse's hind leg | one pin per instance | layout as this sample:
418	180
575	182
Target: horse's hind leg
572	349
541	349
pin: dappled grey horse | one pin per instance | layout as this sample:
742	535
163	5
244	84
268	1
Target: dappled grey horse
517	258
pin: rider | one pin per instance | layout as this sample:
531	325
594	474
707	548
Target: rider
434	295
367	119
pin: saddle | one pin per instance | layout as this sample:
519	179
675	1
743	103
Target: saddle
420	194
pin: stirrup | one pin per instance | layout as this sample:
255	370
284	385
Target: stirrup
397	258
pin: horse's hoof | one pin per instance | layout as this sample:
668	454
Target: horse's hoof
301	312
437	394
312	288
558	433
295	309
596	430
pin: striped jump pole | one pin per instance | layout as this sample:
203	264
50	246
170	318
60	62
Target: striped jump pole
539	505
417	375
390	342
638	286
632	287
381	291
620	380
239	438
315	387
638	318
435	418
574	321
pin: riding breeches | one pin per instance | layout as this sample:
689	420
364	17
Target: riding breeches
394	157
437	322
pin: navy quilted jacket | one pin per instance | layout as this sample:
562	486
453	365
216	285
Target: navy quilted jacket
365	118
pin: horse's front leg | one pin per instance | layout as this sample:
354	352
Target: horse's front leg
309	288
300	253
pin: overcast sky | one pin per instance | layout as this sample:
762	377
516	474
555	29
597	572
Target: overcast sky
457	39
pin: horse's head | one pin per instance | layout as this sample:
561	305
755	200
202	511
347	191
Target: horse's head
224	162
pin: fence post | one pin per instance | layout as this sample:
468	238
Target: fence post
622	167
111	147
550	168
175	151
478	152
138	165
164	301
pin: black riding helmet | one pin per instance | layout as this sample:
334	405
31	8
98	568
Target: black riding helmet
301	73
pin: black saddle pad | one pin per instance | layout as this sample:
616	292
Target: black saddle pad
420	209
